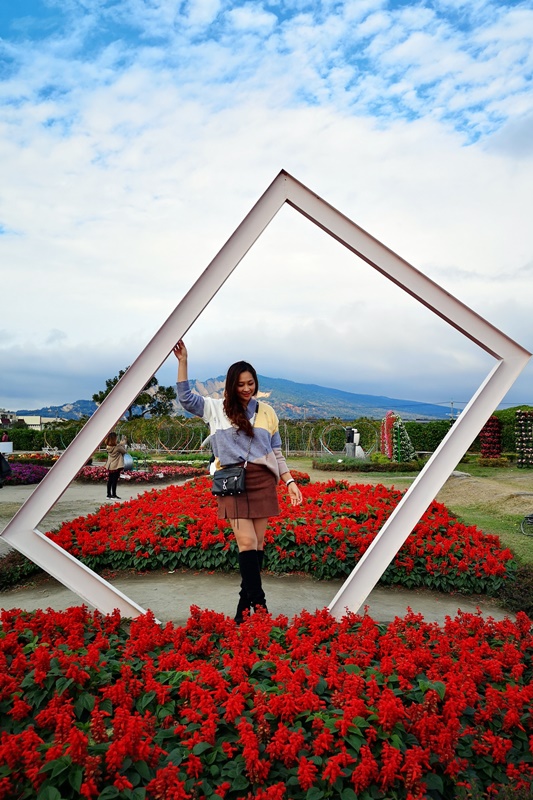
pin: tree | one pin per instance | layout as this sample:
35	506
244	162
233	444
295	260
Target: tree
154	400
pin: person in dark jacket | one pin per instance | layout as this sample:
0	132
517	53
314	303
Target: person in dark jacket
5	470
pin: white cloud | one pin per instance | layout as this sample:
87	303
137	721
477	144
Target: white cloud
201	12
126	167
252	16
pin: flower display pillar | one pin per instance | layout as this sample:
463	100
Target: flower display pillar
524	438
491	438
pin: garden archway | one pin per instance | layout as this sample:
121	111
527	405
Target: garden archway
22	532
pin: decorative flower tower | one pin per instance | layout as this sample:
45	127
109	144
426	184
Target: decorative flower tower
491	438
395	441
524	438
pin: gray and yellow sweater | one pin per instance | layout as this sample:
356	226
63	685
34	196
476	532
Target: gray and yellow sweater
230	445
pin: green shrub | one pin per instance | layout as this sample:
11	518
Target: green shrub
188	457
139	454
426	436
26	439
379	458
32	458
356	465
493	462
517	595
508	420
15	569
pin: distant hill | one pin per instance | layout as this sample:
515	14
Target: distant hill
289	399
76	410
293	400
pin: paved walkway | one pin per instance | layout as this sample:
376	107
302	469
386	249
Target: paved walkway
170	594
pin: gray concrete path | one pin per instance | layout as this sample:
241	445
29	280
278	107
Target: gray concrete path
171	594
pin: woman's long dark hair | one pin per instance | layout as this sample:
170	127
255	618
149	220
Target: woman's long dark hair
232	405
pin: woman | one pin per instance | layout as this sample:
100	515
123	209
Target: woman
115	463
243	430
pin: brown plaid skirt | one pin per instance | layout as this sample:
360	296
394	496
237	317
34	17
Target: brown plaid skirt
259	500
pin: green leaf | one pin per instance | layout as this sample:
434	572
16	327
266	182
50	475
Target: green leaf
109	793
440	688
144	700
143	769
314	793
355	741
175	756
348	794
57	766
106	706
75	777
434	782
62	684
200	748
85	702
240	782
49	793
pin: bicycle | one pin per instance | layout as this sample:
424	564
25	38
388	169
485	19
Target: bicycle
526	526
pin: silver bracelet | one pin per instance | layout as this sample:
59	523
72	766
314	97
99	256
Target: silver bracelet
291	480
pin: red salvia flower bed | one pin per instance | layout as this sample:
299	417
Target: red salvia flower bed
177	527
271	710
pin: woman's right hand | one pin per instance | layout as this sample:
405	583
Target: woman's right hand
180	351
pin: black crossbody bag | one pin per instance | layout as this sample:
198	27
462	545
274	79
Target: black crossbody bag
231	480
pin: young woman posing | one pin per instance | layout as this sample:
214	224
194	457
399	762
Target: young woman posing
243	430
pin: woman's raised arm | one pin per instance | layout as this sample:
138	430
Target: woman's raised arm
180	351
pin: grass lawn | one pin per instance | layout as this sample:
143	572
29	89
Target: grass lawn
475	507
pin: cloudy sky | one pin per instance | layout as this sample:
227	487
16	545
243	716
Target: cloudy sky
137	134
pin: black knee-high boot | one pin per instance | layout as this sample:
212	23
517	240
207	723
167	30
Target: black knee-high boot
244	601
251	578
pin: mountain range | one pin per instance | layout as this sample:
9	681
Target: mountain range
289	399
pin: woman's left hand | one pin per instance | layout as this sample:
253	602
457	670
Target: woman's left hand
295	494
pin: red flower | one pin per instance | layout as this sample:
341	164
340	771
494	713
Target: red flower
366	772
167	785
307	772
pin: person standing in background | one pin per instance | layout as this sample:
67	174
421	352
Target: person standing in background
115	463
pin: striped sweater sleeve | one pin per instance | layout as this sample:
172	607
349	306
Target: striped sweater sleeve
191	402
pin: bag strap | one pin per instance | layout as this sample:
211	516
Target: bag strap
251	437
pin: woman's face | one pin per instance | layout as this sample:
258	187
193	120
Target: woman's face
245	387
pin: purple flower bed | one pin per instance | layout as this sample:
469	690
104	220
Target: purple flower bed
25	473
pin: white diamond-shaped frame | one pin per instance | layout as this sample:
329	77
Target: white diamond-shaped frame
22	532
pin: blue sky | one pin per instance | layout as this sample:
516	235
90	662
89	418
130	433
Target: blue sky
135	135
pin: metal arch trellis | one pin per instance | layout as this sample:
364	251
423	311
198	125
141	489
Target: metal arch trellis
178	437
369	437
332	435
298	436
335	433
164	435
